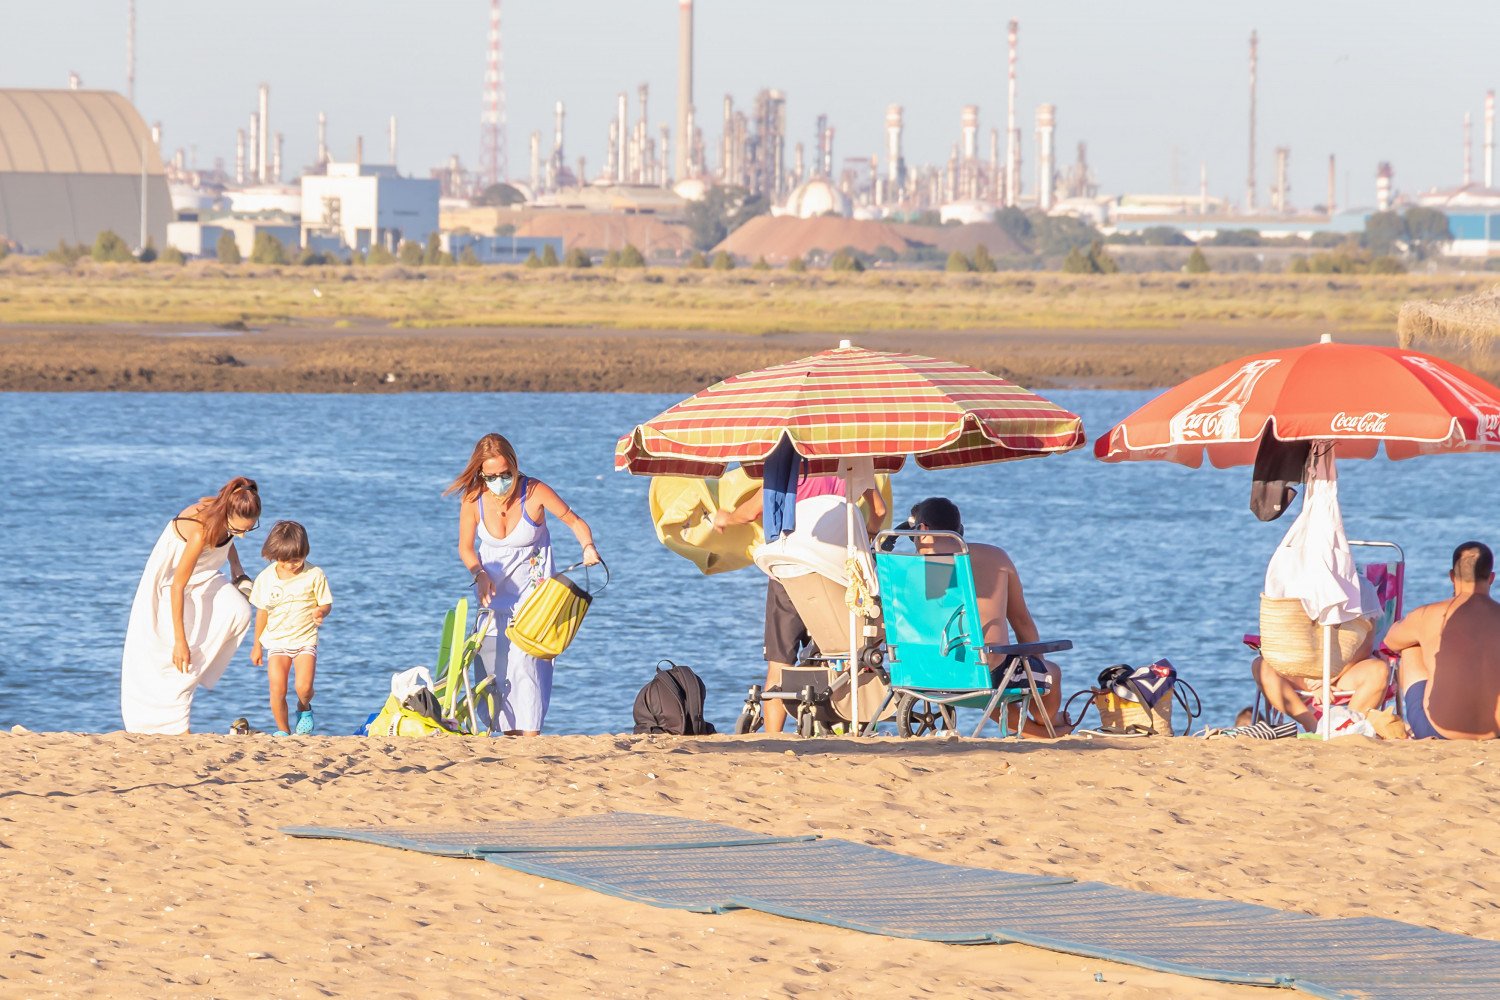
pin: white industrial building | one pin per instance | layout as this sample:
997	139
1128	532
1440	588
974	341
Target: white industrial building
367	204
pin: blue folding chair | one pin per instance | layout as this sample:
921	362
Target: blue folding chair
935	649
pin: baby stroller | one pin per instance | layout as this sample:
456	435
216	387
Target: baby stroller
813	565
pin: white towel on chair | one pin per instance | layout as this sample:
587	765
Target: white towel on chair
1314	562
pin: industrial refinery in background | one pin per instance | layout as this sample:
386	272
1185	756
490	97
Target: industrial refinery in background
635	183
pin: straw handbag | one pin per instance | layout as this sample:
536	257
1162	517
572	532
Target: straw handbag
1292	643
1118	714
550	616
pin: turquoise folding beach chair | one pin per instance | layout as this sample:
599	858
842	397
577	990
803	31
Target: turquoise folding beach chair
935	649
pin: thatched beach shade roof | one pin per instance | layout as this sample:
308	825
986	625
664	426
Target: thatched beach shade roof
1471	322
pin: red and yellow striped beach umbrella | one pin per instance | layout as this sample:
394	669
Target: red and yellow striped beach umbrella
852	403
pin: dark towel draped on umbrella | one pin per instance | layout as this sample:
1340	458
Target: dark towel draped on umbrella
1278	464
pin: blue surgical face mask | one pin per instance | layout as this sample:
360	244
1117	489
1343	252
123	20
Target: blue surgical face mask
499	485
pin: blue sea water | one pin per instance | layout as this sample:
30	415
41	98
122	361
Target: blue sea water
1131	562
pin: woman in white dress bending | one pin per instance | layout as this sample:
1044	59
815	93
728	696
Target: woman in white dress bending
504	543
188	617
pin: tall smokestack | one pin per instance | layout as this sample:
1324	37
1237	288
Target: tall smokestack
969	164
969	121
1278	197
156	134
726	155
612	152
622	123
682	167
1012	132
276	160
263	154
1489	138
1046	125
664	156
536	162
894	167
322	139
252	172
359	149
1250	181
391	140
828	152
1332	190
558	113
1383	178
993	194
1468	151
239	156
643	130
129	53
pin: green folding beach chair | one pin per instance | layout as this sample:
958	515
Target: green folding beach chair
935	648
458	692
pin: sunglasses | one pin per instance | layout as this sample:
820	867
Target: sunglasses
242	532
495	478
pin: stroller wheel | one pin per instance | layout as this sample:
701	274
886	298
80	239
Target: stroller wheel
920	717
807	724
748	722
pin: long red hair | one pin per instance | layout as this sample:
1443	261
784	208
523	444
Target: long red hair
239	498
469	483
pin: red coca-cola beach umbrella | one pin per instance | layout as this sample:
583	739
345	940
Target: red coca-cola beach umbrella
1347	399
1354	395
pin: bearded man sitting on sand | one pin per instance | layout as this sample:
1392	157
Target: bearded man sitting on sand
1002	605
1450	655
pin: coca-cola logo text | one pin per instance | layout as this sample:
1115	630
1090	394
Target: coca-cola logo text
1489	428
1359	423
1206	424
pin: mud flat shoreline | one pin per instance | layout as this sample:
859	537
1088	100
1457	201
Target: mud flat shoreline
374	357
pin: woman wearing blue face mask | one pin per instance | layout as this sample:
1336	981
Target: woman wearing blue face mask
504	543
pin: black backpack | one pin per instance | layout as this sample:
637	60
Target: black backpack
672	702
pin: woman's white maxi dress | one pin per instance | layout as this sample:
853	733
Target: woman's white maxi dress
515	564
155	697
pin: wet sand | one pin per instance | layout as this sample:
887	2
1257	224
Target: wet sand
153	866
376	357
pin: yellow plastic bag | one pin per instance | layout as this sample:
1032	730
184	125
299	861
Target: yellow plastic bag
395	719
548	620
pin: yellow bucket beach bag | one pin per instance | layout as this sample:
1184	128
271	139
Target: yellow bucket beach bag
547	621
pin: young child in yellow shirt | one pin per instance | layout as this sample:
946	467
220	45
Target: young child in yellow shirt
291	598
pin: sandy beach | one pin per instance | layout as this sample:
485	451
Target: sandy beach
137	864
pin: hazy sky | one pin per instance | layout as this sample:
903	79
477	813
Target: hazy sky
1363	79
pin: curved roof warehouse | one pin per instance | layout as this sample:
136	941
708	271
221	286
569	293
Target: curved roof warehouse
71	165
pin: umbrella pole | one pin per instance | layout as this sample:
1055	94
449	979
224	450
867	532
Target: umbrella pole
849	511
1330	638
1330	641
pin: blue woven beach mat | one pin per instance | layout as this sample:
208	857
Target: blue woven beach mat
621	831
807	874
711	868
